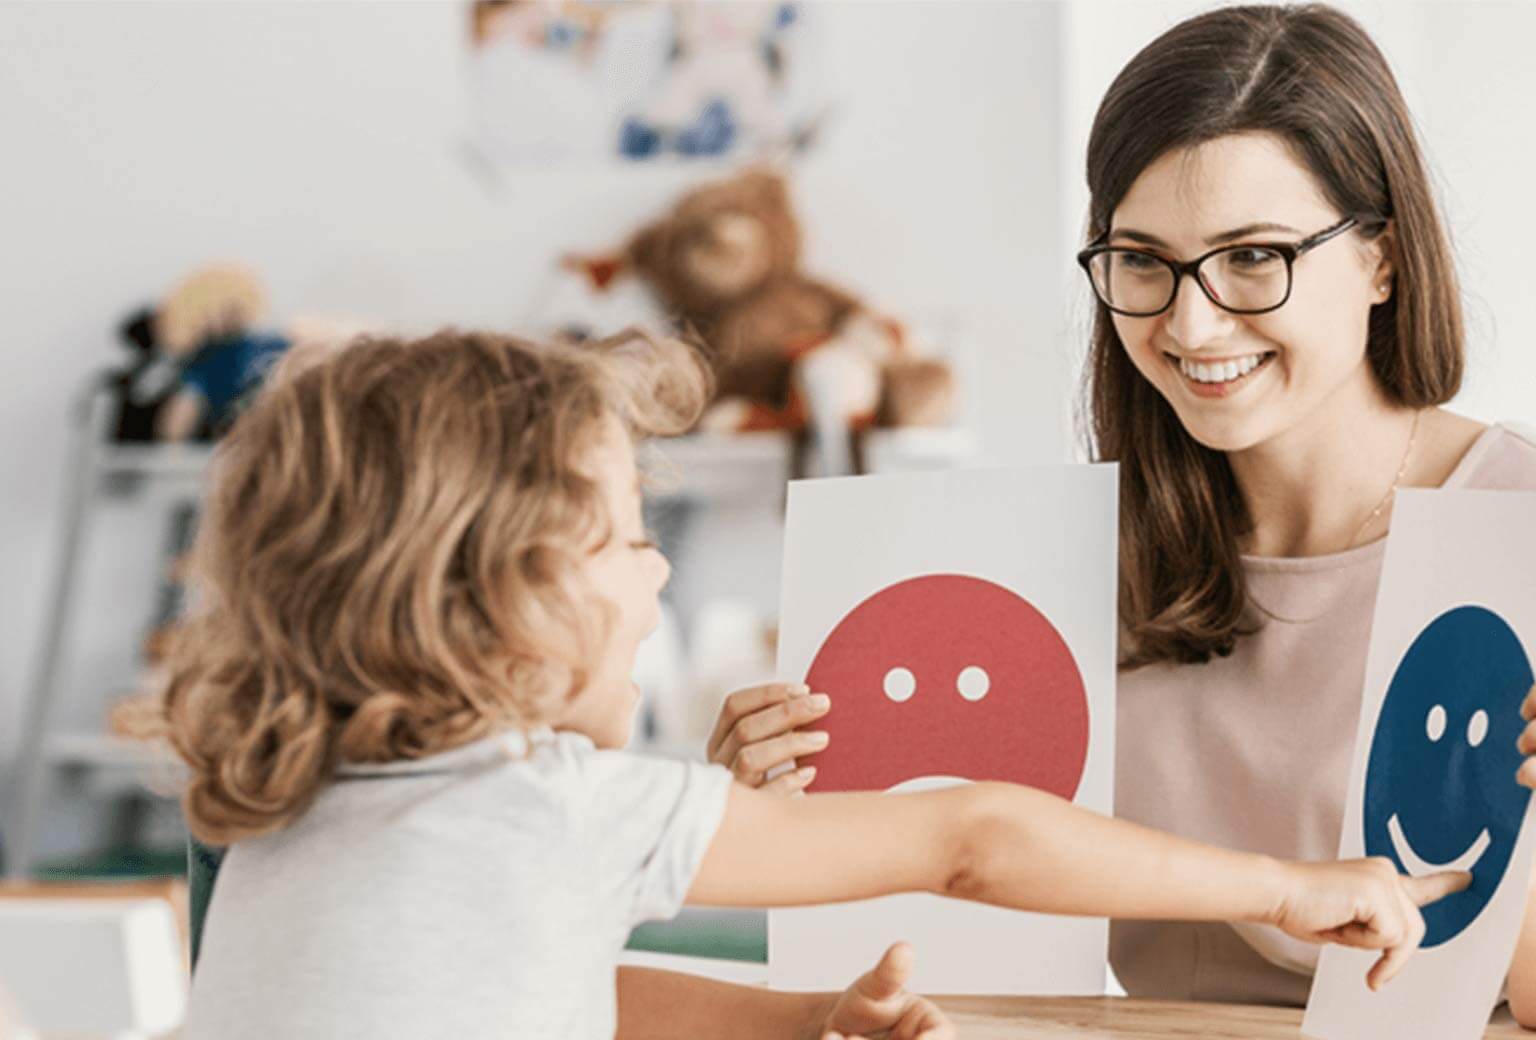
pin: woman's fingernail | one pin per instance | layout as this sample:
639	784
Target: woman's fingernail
820	701
807	772
819	737
798	689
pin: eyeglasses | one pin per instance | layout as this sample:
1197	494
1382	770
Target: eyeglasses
1250	278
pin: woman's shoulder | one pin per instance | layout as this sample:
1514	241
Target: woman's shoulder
1502	458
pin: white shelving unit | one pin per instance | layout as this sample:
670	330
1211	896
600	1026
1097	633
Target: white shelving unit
98	470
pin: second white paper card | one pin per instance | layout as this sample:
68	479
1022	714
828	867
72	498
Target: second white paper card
1433	785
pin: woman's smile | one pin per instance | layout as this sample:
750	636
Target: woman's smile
1219	377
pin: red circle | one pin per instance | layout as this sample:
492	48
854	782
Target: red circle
1031	726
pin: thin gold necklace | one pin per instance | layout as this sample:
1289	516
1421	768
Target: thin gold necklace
1401	469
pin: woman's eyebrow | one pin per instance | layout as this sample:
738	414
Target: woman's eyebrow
1251	229
1215	240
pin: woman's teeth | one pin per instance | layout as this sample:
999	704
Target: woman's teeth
1221	371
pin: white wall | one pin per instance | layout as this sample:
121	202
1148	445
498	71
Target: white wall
1466	72
316	142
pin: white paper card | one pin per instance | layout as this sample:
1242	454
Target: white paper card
963	623
1433	782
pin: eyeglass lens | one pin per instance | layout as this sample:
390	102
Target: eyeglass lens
1244	278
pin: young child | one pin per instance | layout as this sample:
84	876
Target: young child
423	579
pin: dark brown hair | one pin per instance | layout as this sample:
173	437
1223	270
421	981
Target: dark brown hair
388	562
1313	77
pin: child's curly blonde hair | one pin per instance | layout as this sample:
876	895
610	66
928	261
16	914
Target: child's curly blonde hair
386	565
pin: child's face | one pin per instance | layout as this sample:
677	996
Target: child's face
628	572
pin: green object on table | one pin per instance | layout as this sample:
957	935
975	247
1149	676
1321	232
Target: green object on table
736	935
127	861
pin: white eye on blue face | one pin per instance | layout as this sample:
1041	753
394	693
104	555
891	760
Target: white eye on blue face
1477	728
1435	724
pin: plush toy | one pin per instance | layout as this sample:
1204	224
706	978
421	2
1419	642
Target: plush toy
141	388
205	330
721	90
790	352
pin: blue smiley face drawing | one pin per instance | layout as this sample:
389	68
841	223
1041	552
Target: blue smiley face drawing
1440	790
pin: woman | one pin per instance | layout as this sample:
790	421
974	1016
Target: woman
1264	410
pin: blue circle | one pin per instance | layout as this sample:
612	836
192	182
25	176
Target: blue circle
1443	780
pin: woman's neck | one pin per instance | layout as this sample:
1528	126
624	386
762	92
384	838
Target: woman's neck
1326	484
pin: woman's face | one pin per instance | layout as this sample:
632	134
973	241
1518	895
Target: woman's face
1310	353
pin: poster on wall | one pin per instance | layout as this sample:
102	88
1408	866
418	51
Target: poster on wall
1433	783
571	81
963	623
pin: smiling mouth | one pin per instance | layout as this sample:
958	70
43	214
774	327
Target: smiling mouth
1218	378
1418	867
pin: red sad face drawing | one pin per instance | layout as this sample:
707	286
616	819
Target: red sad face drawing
949	675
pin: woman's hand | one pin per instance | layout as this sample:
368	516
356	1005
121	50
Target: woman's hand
878	1002
1527	743
1364	903
759	730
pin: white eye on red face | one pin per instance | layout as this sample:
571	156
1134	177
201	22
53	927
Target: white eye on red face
972	683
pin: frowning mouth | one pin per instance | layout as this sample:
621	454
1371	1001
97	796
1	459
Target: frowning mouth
1419	867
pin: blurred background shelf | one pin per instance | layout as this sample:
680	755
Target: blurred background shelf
699	465
85	749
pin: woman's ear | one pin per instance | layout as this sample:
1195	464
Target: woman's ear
1385	251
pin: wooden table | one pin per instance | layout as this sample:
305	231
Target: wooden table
1114	1018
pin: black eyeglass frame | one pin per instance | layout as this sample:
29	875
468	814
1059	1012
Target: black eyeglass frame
1288	251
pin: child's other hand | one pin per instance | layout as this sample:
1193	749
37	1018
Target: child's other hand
1364	903
878	1002
759	729
1527	745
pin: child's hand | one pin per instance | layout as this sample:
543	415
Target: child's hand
1364	903
758	729
878	1002
1527	744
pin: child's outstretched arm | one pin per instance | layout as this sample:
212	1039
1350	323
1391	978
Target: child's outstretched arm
1019	847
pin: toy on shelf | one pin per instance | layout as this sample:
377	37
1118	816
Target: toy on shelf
723	89
198	353
141	388
207	324
790	352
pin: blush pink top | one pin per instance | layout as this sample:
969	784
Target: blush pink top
1253	751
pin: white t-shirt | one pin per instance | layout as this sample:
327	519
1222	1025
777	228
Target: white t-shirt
482	892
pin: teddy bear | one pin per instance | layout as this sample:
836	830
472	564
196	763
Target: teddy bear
790	352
